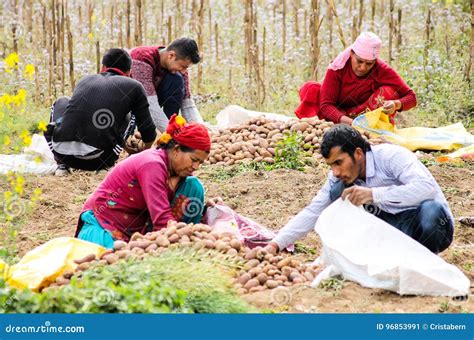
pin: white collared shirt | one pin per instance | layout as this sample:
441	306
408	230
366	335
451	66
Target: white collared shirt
399	182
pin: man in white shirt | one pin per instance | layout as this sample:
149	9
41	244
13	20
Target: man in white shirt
388	180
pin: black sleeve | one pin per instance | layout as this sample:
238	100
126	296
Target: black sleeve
142	114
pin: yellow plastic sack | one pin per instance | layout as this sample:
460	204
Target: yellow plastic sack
40	266
3	270
466	153
449	137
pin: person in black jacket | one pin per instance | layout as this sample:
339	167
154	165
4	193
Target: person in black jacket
88	131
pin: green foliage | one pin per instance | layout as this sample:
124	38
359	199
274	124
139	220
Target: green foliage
176	281
334	284
300	248
289	154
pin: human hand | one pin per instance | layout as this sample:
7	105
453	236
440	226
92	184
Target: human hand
390	106
211	202
272	248
358	195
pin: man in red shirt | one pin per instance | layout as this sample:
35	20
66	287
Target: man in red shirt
163	72
355	81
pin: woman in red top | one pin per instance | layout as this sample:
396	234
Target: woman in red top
355	81
145	191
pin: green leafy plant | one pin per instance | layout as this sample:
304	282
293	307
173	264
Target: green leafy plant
183	281
289	154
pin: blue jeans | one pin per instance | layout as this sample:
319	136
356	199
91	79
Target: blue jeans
429	223
170	93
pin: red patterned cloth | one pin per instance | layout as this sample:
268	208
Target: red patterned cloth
146	68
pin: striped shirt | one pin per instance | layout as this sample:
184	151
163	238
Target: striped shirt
399	182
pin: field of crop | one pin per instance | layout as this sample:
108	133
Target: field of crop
256	54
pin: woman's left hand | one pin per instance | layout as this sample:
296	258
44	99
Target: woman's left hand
211	202
390	106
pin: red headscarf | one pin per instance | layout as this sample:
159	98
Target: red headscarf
191	135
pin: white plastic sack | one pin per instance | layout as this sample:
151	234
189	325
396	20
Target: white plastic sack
234	115
369	251
35	159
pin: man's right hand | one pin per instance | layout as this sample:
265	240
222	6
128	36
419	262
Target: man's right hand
272	248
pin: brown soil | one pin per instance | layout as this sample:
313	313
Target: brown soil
272	198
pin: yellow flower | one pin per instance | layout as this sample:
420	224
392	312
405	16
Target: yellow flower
29	71
7	195
180	121
25	136
90	36
20	180
164	138
42	126
27	141
12	62
6	140
19	189
20	97
37	192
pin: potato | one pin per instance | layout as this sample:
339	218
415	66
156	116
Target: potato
244	278
68	274
283	263
138	250
60	280
270	284
122	253
286	270
232	252
111	258
83	266
87	258
151	247
282	278
209	244
119	244
234	243
170	230
106	252
251	254
251	283
302	126
251	263
162	241
269	160
136	236
173	238
185	231
220	245
298	280
262	278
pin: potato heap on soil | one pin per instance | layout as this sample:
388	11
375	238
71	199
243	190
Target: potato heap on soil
257	269
256	140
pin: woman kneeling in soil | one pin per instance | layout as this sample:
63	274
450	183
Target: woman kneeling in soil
145	191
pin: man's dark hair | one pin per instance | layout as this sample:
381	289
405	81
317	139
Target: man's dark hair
185	48
344	136
117	58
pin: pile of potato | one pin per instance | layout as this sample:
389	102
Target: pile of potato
259	270
256	140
